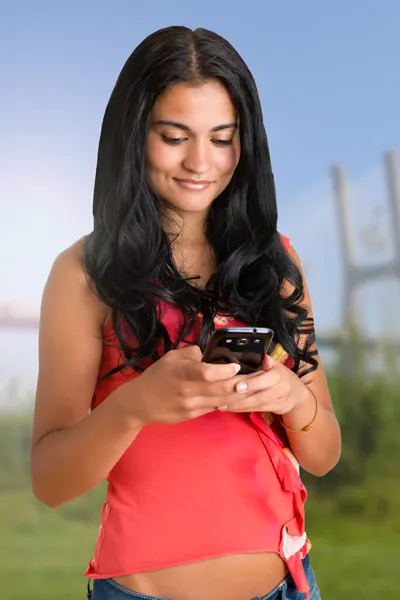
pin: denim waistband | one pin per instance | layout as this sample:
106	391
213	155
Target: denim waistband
108	589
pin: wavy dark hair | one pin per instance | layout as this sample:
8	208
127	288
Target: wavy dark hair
128	255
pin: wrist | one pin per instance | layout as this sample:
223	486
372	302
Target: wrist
303	400
123	399
303	414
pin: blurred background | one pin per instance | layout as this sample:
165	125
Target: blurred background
328	76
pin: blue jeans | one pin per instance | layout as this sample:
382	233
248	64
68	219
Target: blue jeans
107	589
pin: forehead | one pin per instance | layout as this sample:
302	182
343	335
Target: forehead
199	107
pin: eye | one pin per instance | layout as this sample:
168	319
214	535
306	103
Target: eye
222	142
173	141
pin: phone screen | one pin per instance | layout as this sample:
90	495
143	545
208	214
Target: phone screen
244	346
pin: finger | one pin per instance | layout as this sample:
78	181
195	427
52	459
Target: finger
189	352
204	404
223	391
203	395
259	402
201	412
227	387
264	381
268	363
210	373
204	385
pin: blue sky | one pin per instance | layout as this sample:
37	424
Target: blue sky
328	79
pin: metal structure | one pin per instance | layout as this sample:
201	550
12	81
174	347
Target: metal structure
356	275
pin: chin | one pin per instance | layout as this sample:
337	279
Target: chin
191	205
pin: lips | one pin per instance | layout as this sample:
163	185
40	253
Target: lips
193	185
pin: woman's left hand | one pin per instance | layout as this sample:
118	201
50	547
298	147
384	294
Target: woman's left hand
274	388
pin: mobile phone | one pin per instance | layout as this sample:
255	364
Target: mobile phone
245	346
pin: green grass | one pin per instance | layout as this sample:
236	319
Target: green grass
42	555
354	522
355	559
43	552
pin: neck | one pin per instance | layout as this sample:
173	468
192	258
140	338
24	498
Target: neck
186	230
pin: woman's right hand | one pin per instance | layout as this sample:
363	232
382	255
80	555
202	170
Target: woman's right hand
179	387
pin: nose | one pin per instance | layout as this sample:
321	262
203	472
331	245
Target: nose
198	157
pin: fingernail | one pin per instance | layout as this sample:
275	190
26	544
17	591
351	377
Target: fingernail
236	368
242	387
223	407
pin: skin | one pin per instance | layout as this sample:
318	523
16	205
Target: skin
74	449
193	152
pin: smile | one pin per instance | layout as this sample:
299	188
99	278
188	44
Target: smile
193	186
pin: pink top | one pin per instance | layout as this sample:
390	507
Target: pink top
221	484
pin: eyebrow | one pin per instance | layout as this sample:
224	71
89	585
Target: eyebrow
232	125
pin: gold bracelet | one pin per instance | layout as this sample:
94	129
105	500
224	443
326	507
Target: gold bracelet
306	427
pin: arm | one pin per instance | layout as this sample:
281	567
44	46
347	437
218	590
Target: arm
72	450
298	402
317	450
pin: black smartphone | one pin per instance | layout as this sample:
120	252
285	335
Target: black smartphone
245	346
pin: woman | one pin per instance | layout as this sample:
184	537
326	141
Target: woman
204	499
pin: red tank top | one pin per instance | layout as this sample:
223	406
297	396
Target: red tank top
221	484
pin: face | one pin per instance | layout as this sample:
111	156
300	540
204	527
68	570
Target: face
193	146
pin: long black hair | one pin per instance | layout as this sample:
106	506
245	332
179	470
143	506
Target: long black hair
128	254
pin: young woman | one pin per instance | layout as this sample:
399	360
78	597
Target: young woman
204	498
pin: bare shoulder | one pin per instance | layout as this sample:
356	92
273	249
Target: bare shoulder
68	277
294	255
70	344
70	261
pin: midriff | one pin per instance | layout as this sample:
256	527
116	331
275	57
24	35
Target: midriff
234	577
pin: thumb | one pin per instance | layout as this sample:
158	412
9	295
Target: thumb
190	352
268	363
